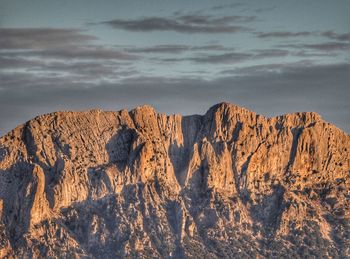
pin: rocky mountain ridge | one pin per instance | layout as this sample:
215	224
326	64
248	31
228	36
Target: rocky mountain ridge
139	184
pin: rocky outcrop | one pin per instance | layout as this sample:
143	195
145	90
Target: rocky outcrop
137	183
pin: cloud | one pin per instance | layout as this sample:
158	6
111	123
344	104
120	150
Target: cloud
209	20
265	68
226	58
283	34
176	48
232	57
64	74
39	38
287	34
54	43
184	24
269	91
311	53
17	63
336	36
226	6
49	54
265	9
324	46
81	52
270	53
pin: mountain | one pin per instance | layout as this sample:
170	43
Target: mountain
140	184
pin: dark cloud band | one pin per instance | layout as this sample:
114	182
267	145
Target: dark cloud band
270	91
184	24
38	38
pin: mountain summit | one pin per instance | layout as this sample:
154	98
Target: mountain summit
140	184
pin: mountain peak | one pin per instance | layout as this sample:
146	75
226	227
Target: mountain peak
222	106
145	108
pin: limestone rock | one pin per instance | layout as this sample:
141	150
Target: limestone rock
140	184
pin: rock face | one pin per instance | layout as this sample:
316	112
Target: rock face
139	184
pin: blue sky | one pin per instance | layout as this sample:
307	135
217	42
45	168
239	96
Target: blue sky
273	57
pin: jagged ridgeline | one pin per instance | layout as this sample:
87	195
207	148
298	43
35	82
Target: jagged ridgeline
139	184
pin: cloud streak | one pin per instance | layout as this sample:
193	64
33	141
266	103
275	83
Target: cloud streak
39	38
226	58
184	24
283	34
231	57
42	56
175	49
226	6
324	46
79	52
332	35
336	36
54	43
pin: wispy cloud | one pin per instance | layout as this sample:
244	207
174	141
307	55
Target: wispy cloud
54	43
226	6
79	52
288	34
283	34
336	36
46	55
265	9
324	46
184	24
236	57
38	38
270	53
176	48
232	57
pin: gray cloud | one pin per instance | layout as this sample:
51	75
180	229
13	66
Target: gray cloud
336	36
232	57
226	58
81	52
17	62
173	48
53	43
294	87
283	34
22	72
87	71
307	53
176	48
226	6
328	46
265	9
287	34
208	20
270	53
38	38
53	53
71	52
324	46
183	24
265	69
64	75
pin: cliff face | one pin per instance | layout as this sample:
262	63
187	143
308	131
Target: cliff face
230	183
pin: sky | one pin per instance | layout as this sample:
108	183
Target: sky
270	56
